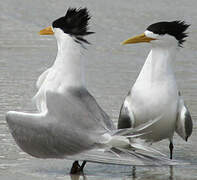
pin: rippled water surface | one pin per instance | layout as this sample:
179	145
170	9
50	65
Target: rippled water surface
110	70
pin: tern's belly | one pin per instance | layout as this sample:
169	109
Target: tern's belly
149	106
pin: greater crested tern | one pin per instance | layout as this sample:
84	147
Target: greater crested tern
155	92
69	123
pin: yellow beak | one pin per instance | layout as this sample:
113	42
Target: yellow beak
138	39
47	31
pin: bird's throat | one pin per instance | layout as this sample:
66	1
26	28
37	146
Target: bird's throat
68	63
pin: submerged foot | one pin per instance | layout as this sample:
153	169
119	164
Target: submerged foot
76	168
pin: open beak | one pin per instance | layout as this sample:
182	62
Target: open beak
138	39
47	31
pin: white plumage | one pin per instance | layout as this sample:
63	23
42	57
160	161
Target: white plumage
155	92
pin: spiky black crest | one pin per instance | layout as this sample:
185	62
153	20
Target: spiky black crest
75	23
173	28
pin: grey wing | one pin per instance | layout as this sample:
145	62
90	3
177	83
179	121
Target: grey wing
184	124
67	127
78	110
126	116
81	117
42	136
30	132
89	104
72	123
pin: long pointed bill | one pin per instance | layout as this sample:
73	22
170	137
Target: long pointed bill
47	31
138	39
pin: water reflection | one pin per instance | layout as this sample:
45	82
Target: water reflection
135	176
134	172
171	177
152	176
77	177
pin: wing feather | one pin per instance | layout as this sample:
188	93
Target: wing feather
184	124
126	117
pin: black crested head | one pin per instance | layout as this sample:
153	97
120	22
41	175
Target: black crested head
173	28
75	23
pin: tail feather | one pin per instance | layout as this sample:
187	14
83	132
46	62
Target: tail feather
122	157
114	152
126	148
139	129
140	156
130	138
146	148
137	135
155	158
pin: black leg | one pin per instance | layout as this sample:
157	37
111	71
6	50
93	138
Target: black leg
82	166
171	149
76	168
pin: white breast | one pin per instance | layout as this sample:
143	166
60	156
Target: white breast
155	94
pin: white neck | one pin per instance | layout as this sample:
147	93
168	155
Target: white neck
68	62
157	66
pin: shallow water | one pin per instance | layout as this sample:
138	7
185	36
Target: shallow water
111	71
